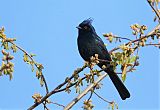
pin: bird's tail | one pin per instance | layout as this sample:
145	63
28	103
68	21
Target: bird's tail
122	90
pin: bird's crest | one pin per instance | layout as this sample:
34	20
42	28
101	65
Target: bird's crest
88	21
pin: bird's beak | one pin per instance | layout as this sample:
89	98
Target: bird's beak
78	27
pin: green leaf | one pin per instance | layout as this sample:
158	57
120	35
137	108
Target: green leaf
116	105
32	68
41	81
2	29
32	65
25	58
110	39
152	37
78	89
123	77
32	55
14	48
5	44
0	73
124	72
157	1
127	60
5	71
118	58
118	55
132	59
10	76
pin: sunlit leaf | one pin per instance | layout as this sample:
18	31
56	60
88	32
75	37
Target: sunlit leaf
5	44
25	58
14	48
133	59
0	73
124	72
10	76
41	81
124	76
32	55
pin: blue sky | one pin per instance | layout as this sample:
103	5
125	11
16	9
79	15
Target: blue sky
47	28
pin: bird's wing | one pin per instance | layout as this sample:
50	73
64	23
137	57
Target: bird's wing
102	47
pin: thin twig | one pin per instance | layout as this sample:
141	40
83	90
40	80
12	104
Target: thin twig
74	101
122	38
143	37
153	44
45	107
101	97
58	104
90	95
75	72
57	89
63	89
45	83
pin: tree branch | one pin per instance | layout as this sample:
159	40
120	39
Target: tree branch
156	11
56	90
45	83
85	92
102	98
122	38
142	37
58	104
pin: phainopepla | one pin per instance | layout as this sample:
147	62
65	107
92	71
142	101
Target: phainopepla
89	44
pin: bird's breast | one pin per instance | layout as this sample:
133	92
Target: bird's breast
86	47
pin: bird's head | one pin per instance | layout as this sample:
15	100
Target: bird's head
86	26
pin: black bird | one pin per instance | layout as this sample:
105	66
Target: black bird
89	44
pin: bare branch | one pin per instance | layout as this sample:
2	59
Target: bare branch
45	83
58	104
90	95
102	98
45	107
153	44
122	38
